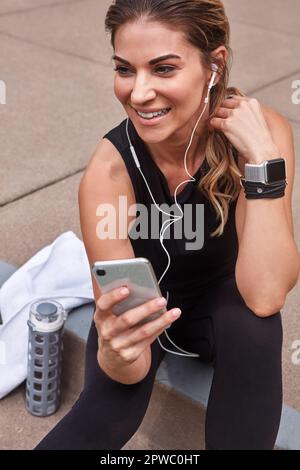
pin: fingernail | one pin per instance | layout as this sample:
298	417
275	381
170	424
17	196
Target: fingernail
124	290
161	302
176	312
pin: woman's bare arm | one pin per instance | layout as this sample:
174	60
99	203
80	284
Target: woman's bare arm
104	180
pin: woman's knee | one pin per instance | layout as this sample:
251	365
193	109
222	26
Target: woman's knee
240	329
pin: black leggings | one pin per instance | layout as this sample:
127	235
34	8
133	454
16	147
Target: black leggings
245	400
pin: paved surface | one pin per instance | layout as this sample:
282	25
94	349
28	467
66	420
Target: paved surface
55	61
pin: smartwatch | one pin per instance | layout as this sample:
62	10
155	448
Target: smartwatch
268	172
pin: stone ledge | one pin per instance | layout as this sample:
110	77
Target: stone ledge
188	379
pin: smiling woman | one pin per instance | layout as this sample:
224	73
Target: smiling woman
148	83
172	62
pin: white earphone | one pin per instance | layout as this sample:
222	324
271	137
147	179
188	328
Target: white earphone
173	218
212	80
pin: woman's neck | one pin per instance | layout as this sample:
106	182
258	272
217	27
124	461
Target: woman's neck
171	154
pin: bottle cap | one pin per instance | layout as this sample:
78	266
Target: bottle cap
46	315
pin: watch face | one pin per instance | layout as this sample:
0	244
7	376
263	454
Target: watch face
276	170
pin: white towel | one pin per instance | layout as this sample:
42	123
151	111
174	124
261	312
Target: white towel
59	271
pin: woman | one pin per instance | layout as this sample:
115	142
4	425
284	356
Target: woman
231	289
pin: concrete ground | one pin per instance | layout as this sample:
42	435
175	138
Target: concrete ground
55	62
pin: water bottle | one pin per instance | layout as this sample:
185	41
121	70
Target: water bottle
46	326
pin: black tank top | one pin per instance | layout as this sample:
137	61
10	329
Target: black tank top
191	270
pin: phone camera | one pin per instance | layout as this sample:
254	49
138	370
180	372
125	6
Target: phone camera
100	272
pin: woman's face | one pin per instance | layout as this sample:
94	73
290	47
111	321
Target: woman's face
176	83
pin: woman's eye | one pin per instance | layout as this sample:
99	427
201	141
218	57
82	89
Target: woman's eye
166	68
120	70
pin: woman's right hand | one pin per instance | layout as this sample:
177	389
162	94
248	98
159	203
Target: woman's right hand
120	341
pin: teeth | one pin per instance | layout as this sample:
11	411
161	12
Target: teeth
152	115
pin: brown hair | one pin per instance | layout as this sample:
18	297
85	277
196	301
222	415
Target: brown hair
205	25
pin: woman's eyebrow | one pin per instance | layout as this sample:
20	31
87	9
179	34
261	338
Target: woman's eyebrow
151	62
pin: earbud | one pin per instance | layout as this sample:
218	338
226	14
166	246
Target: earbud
215	69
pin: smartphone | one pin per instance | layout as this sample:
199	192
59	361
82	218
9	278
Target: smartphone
135	273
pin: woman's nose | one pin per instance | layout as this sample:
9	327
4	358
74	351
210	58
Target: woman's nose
142	91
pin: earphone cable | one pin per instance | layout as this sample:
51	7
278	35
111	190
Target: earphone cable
172	216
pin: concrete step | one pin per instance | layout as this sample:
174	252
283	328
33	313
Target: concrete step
161	428
176	413
162	424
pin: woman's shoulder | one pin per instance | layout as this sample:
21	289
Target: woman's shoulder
118	136
105	161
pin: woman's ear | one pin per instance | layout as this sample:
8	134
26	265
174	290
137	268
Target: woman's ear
220	57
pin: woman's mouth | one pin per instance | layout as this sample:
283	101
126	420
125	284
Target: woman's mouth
152	118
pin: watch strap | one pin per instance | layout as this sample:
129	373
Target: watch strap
256	190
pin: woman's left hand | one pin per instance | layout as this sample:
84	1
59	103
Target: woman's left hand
242	121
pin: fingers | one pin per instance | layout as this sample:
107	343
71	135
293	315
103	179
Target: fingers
149	331
133	316
232	101
155	327
229	104
132	353
124	331
238	97
225	110
108	300
222	113
138	348
218	123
